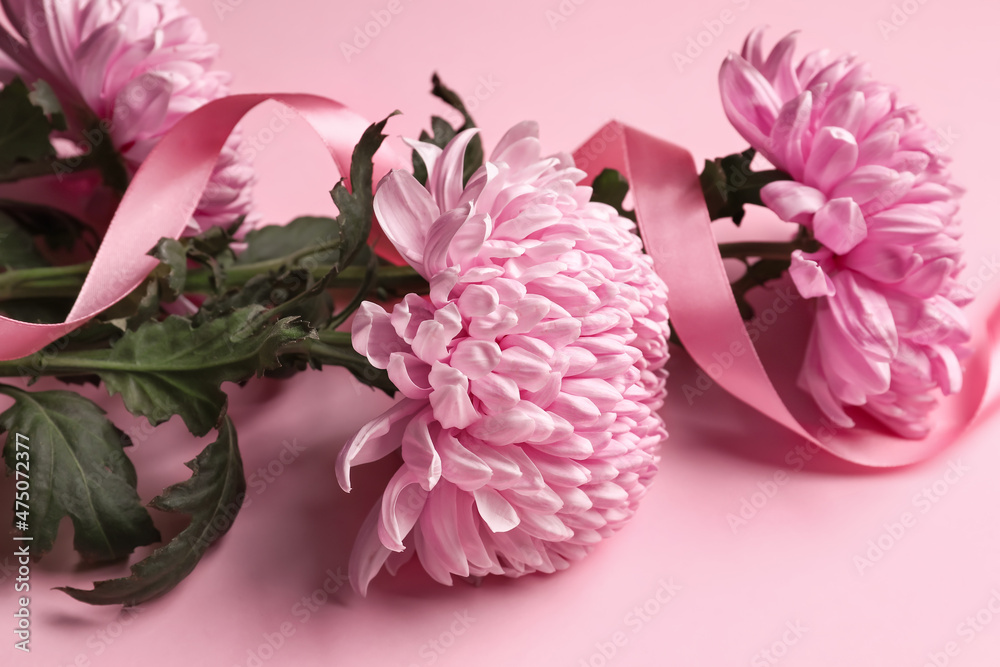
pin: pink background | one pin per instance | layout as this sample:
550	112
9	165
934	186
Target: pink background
787	581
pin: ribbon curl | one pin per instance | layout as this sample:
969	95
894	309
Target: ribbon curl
672	218
163	195
676	230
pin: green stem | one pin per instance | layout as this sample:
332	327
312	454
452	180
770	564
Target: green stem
333	348
66	281
764	249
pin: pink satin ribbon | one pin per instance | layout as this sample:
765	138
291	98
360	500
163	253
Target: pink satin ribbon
163	195
676	230
672	217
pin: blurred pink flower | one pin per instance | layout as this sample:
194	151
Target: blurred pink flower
871	185
137	65
531	375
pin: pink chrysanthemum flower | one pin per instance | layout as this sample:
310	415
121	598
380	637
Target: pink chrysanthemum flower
137	65
871	185
531	375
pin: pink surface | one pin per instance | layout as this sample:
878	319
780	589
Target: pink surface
685	582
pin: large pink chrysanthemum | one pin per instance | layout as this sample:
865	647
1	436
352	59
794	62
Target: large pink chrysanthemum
872	187
531	374
137	65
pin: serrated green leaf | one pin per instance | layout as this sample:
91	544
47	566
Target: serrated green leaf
172	255
355	206
442	132
24	127
166	368
214	241
141	305
610	188
77	467
474	152
212	496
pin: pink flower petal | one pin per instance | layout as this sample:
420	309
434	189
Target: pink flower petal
749	101
840	225
402	503
810	280
369	554
419	453
495	510
405	212
791	201
450	398
376	439
372	334
832	156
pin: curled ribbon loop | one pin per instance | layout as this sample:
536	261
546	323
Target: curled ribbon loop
672	217
676	229
163	195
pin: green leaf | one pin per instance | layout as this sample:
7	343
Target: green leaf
76	467
355	206
173	257
610	188
214	241
729	184
293	240
168	367
24	127
106	158
212	496
443	132
140	306
17	247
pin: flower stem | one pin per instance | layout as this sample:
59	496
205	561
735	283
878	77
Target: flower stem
66	281
766	249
